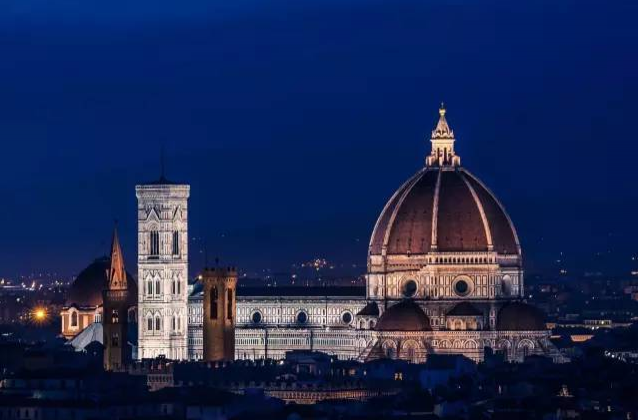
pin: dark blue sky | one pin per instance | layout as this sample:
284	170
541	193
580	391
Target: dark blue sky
294	121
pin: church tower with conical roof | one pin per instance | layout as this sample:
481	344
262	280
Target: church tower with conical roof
115	306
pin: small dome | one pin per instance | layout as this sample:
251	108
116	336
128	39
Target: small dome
87	288
519	316
404	316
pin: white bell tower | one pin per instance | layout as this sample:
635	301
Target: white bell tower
162	261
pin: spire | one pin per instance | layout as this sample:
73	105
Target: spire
442	140
117	273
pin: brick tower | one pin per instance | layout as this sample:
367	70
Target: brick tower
220	313
115	306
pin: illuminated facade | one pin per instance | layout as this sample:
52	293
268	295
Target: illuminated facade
444	276
162	250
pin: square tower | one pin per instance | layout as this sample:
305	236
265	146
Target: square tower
220	313
162	262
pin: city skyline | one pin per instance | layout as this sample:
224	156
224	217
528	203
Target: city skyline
336	209
306	144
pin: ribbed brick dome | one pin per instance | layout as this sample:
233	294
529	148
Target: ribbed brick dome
445	209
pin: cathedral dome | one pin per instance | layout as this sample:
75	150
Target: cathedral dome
404	316
519	316
443	208
87	288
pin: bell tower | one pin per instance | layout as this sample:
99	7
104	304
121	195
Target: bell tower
162	269
115	305
220	313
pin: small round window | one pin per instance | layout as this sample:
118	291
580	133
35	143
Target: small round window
461	287
256	317
346	317
302	317
409	288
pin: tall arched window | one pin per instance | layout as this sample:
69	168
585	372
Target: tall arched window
149	287
175	243
158	289
229	305
174	323
74	319
149	324
158	323
174	288
154	240
214	297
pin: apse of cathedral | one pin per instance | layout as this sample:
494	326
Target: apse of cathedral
444	276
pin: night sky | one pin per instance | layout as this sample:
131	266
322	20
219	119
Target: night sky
294	121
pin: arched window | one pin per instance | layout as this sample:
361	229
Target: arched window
174	287
179	287
175	243
158	289
74	319
174	323
115	317
149	324
229	305
154	240
409	351
214	297
149	287
389	350
158	323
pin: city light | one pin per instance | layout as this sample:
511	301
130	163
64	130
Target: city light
39	315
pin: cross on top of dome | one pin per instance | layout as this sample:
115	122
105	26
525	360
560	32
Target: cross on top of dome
442	140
